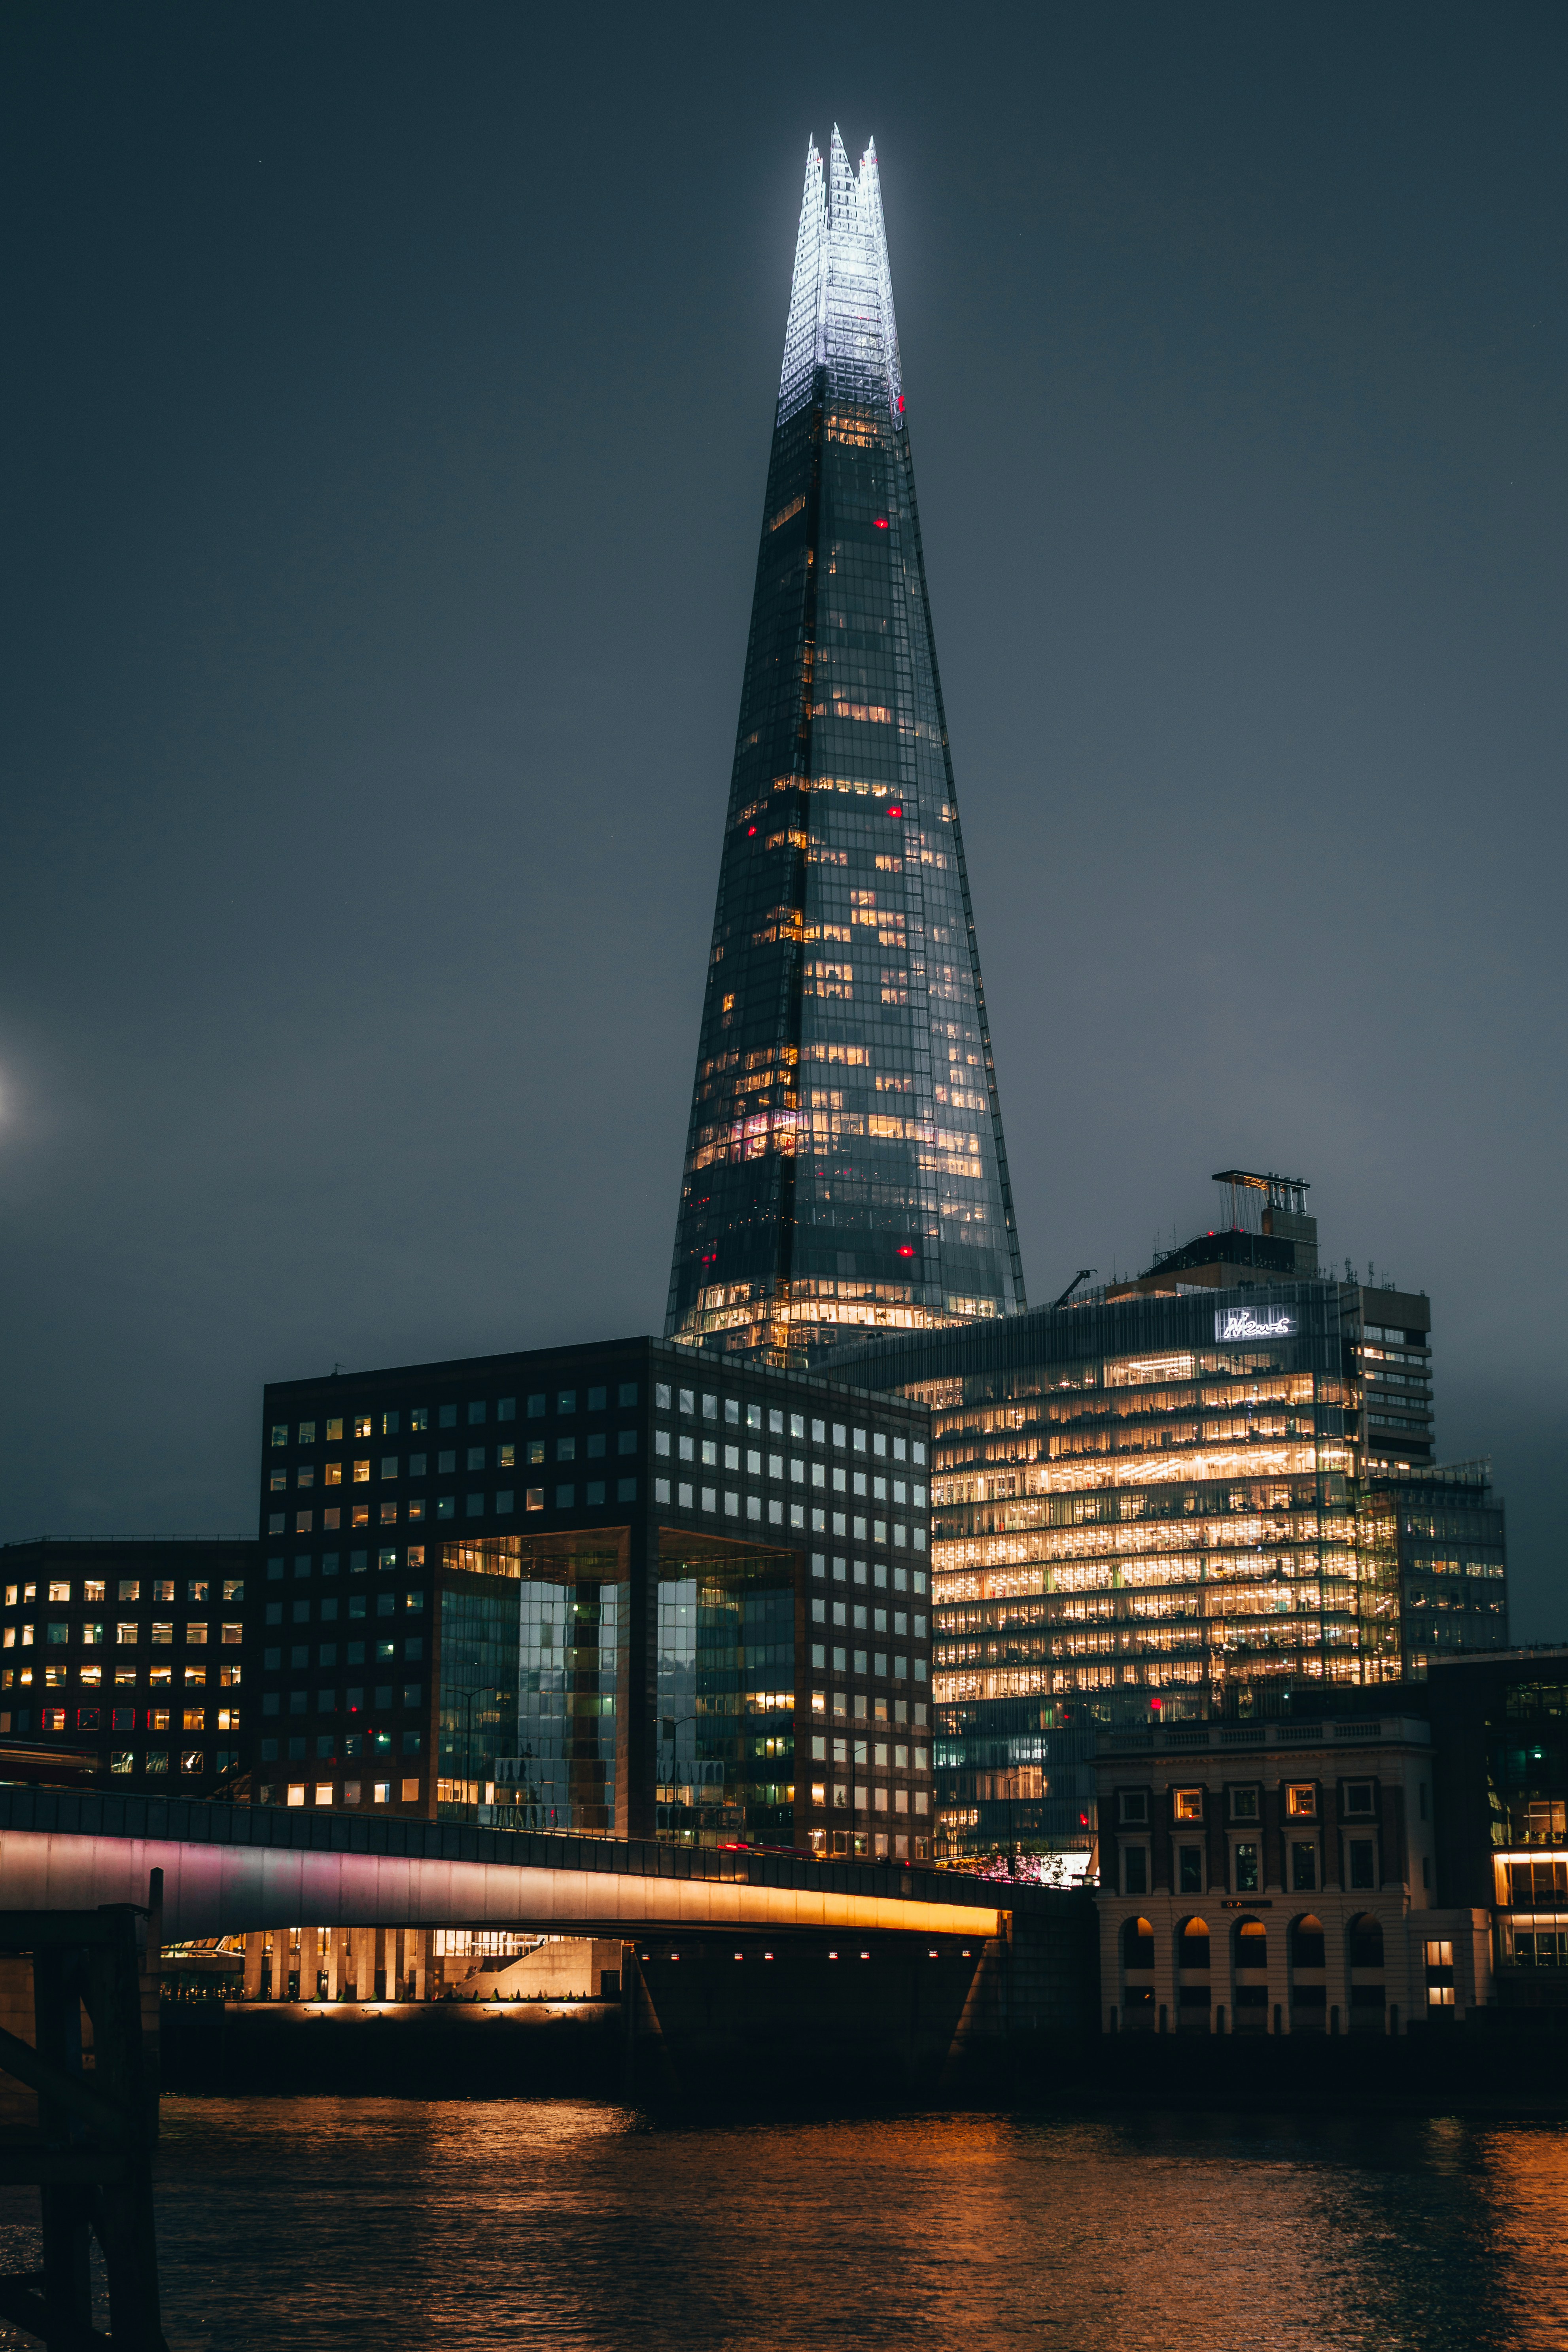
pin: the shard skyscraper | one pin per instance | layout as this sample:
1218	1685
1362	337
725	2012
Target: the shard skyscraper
845	1165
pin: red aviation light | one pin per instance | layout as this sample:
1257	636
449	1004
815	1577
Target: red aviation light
897	809
879	524
750	830
906	1249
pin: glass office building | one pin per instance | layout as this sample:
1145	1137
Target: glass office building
845	1164
618	1589
1168	1501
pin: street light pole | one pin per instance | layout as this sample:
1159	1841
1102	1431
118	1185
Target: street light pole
481	1690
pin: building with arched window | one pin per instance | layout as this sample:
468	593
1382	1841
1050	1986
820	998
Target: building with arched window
1279	1877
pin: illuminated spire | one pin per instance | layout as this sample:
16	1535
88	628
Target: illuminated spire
841	299
845	1164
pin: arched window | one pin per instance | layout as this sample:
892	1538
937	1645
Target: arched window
1306	1942
1138	1944
1252	1945
1193	1945
1365	1941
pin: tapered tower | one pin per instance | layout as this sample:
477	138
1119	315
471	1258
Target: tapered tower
845	1165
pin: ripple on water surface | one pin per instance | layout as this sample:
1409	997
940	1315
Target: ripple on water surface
555	2223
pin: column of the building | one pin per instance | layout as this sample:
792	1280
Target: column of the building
255	1947
1163	1912
1279	1973
1336	1966
422	1964
1274	1867
1111	1972
365	1963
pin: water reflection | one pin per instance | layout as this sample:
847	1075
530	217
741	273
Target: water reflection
583	2226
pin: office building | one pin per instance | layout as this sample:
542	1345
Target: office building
1439	1533
1499	1729
617	1590
845	1165
1263	1234
131	1649
1171	1498
1281	1878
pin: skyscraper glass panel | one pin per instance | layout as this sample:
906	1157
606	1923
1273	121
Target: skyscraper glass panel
845	1164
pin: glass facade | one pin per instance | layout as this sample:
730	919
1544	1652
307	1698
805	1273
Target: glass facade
1527	1777
646	1652
533	1684
1137	1518
845	1162
1439	1534
727	1700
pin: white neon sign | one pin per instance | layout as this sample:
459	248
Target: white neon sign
1241	1323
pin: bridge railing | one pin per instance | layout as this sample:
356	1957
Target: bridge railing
200	1821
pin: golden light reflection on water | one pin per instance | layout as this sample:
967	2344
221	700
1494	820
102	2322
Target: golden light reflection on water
561	2223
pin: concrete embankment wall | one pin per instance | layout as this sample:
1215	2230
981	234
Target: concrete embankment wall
395	2048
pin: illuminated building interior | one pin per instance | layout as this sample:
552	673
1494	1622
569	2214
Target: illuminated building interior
1145	1512
1527	1782
845	1164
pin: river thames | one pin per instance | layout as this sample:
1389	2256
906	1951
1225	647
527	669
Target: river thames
565	2224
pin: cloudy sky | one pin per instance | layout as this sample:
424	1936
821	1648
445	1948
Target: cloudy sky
387	404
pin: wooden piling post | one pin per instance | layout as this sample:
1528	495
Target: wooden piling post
92	2156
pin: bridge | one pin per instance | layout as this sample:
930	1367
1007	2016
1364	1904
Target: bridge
230	1870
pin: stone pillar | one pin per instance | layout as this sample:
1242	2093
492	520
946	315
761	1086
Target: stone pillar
253	1945
1336	1971
335	1953
1279	1972
365	1963
380	1939
1163	1914
1110	1969
422	1964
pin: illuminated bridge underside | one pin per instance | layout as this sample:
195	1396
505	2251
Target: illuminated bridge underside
216	1889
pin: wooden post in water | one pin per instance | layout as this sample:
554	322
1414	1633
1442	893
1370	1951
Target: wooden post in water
91	2157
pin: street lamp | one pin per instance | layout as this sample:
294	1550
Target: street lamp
481	1690
669	1724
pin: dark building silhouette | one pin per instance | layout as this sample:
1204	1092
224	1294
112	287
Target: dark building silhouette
845	1165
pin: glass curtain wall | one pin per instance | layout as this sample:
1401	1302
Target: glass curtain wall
533	1686
845	1164
726	1701
1131	1520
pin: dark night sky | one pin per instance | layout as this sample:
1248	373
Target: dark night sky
388	400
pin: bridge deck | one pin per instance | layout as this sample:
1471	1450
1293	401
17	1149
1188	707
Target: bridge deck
230	1868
